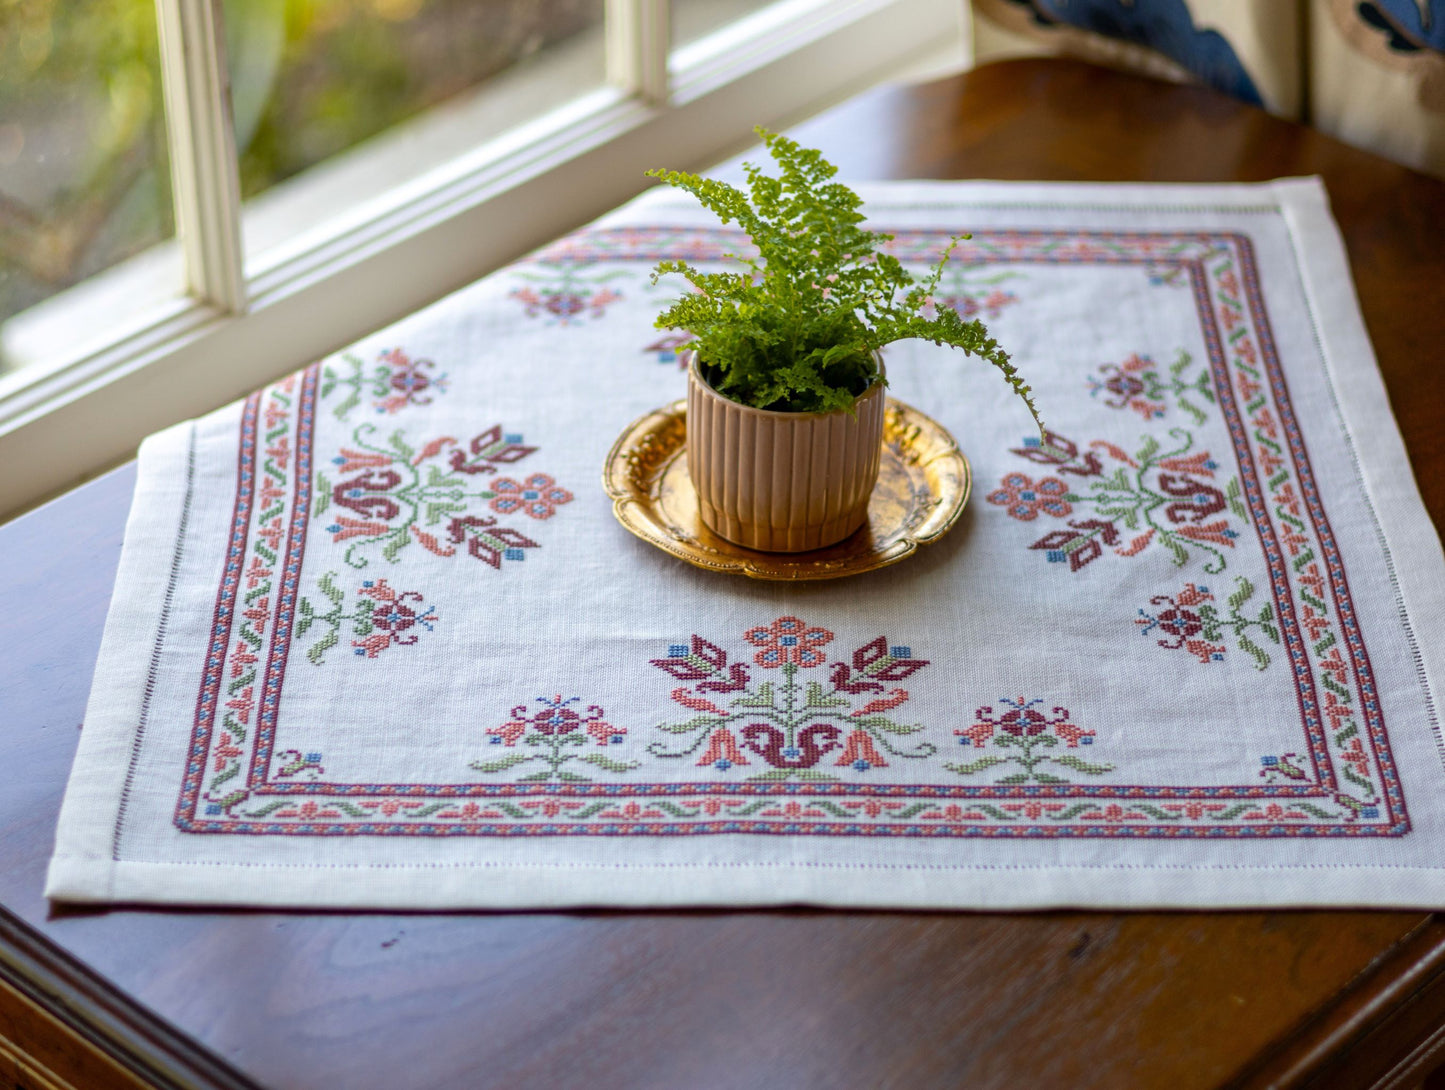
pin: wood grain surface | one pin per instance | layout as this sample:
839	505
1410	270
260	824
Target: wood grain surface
789	998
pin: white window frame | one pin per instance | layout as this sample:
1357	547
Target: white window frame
245	321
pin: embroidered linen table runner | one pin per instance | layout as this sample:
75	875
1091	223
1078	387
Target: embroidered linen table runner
378	640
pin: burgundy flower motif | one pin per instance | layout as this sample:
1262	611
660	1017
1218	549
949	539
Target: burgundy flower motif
409	380
706	663
1056	450
1124	387
1182	626
395	613
788	640
1023	723
693	663
487	541
1179	623
1025	499
564	304
555	720
874	663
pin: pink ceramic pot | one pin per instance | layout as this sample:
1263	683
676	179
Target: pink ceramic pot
781	482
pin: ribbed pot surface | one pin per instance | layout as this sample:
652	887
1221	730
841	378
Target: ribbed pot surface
781	482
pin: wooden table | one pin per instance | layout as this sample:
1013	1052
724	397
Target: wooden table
783	999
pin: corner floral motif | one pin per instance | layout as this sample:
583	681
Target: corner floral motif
393	382
1288	766
1187	621
1028	735
379	617
794	723
291	763
553	735
564	295
394	494
1158	497
1167	274
1139	383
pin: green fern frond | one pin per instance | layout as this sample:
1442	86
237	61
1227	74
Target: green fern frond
799	329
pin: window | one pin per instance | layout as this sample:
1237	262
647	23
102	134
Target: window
335	202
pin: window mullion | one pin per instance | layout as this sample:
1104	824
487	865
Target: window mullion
204	176
637	44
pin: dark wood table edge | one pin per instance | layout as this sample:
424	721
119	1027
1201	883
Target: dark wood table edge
1363	1038
105	1019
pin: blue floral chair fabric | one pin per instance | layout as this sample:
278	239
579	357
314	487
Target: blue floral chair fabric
1371	72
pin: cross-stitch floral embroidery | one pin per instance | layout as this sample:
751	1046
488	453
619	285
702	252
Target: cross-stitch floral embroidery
1187	621
537	496
1025	498
670	348
394	382
787	727
1139	384
292	763
564	295
1288	766
1157	496
553	735
971	292
396	494
792	724
1028	736
379	617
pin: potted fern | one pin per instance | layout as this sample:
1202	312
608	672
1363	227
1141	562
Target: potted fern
785	388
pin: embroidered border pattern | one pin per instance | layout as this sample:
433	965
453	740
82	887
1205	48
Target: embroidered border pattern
1342	782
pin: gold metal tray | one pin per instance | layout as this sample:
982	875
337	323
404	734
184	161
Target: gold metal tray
923	483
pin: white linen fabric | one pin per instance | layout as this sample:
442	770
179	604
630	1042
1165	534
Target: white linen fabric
378	640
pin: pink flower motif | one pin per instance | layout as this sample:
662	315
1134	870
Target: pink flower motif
538	496
508	733
604	733
349	460
788	640
1025	499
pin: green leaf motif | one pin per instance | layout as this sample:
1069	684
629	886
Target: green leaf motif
502	764
603	761
817	698
762	699
975	766
1243	592
1261	660
1078	764
329	588
321	646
